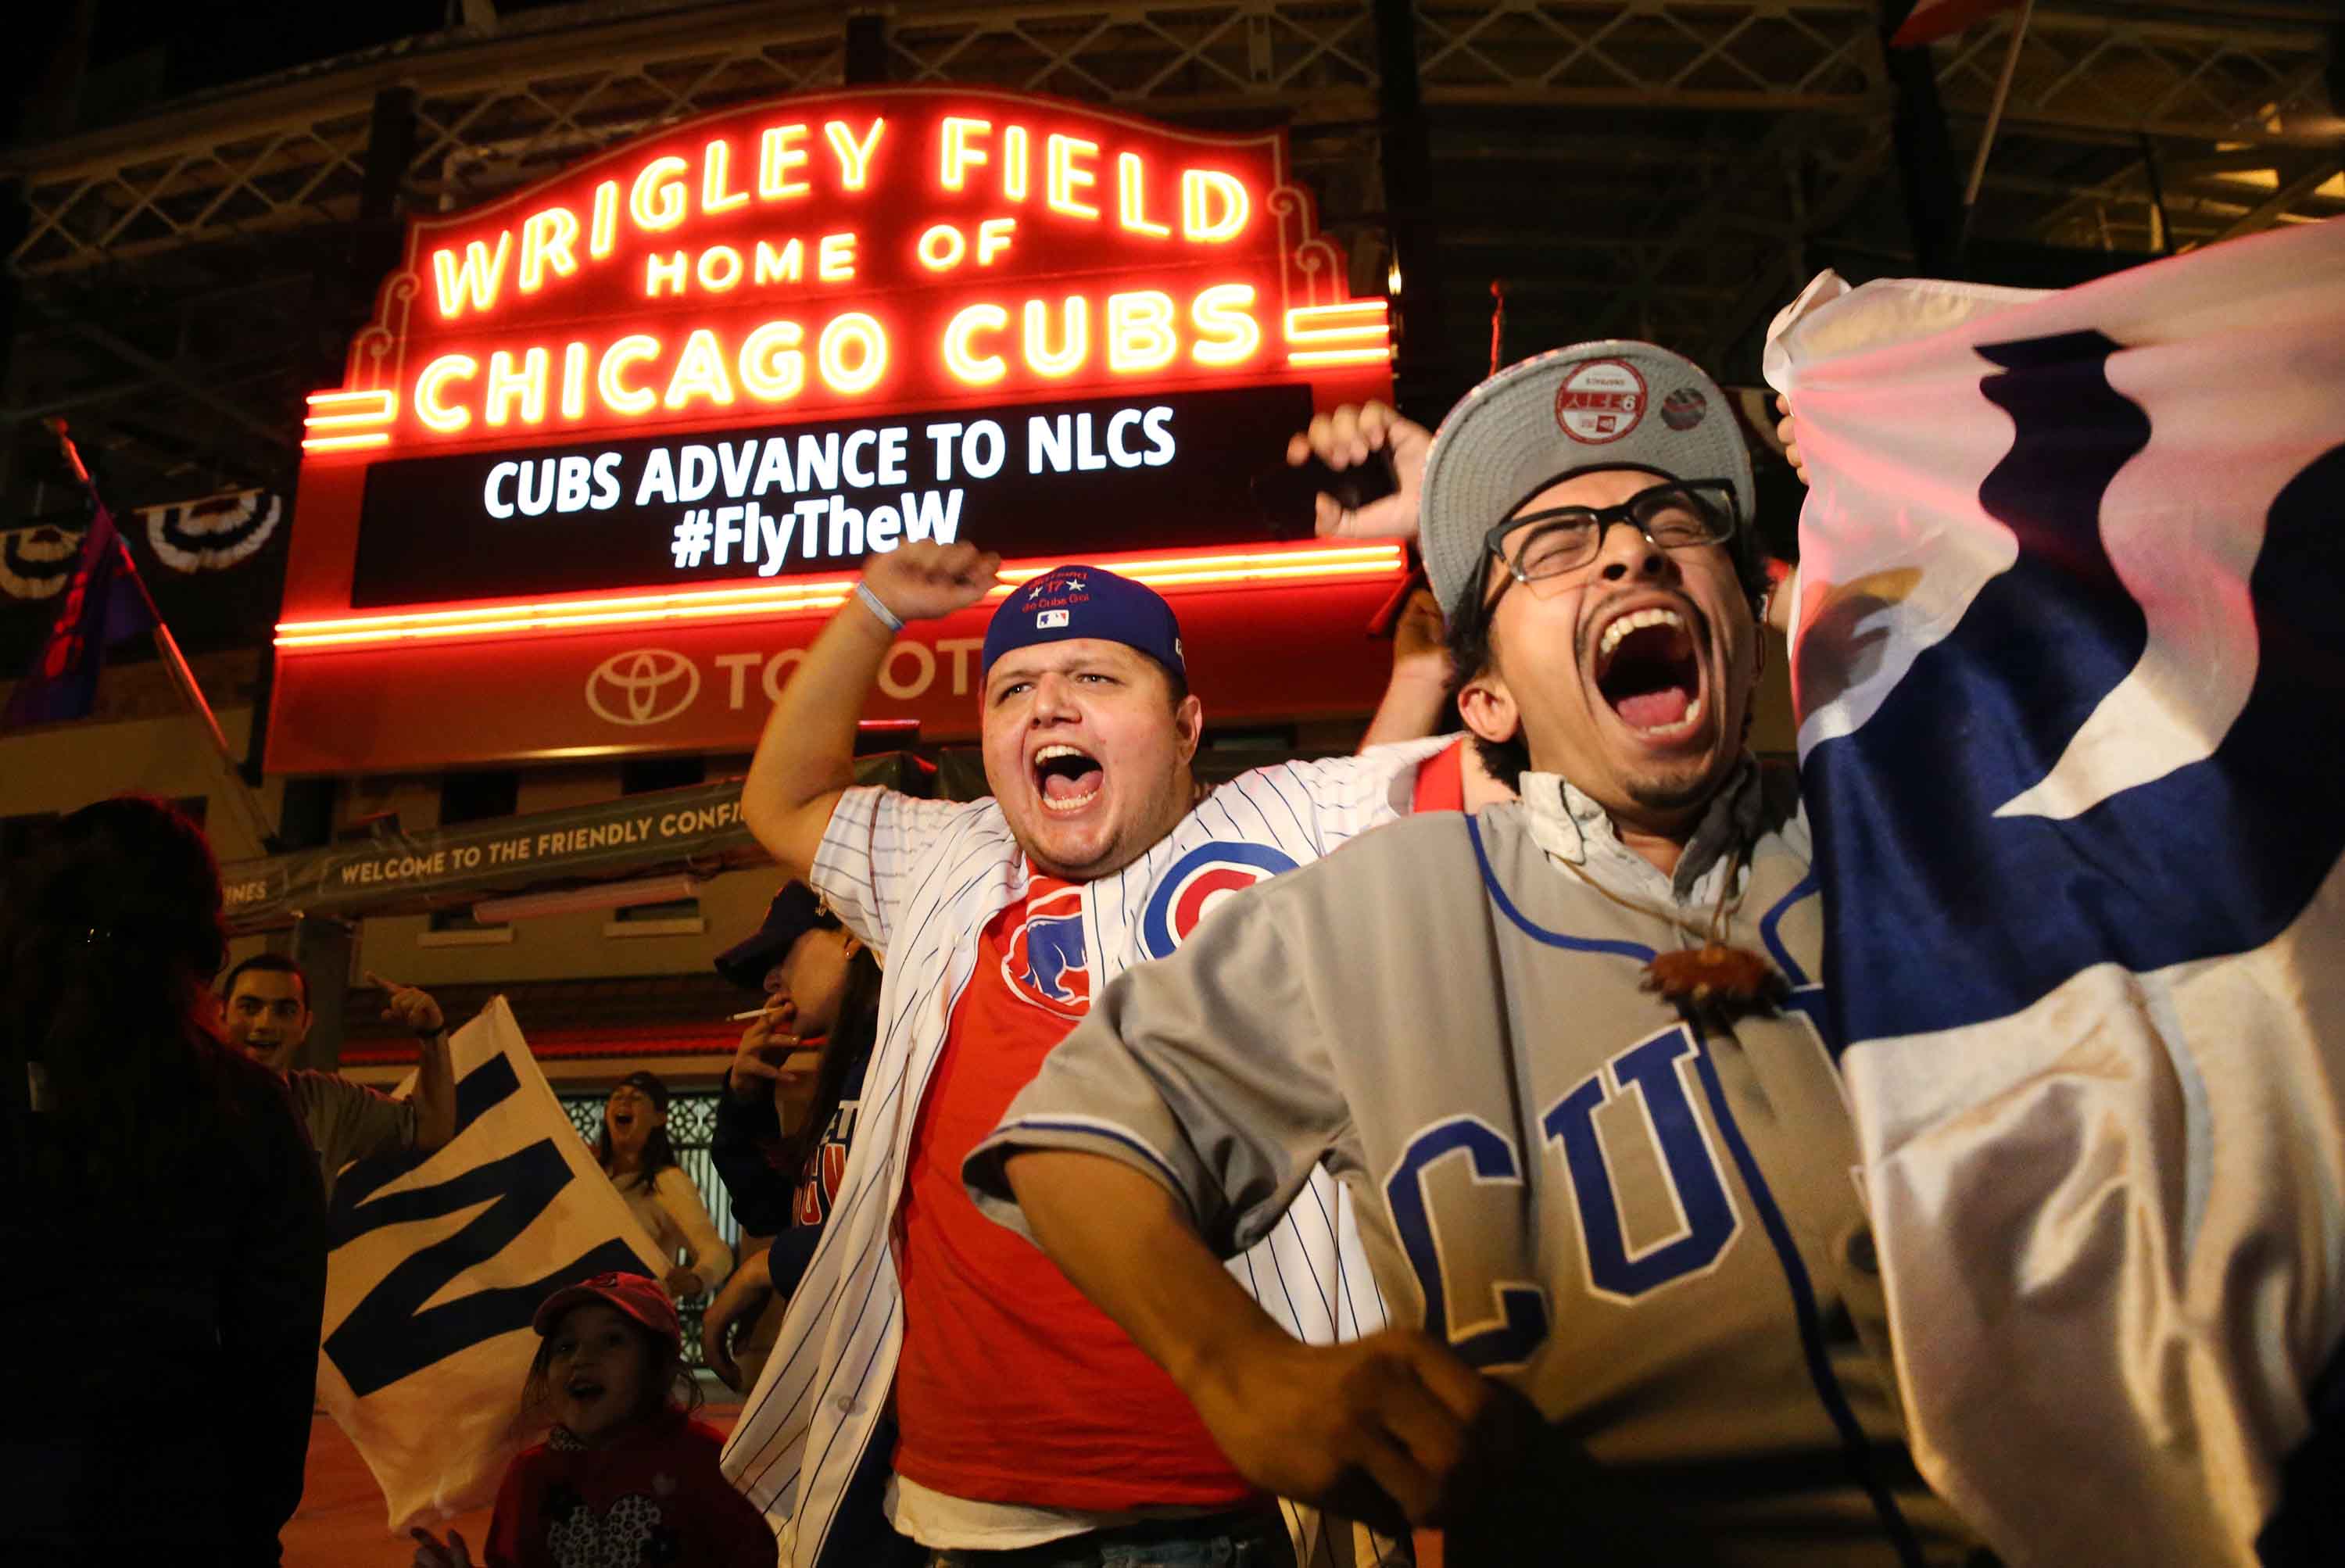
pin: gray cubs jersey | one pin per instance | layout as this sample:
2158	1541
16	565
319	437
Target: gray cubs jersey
1648	1223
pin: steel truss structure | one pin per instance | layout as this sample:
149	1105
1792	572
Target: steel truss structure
2143	136
1666	168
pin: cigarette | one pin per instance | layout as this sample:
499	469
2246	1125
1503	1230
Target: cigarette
753	1013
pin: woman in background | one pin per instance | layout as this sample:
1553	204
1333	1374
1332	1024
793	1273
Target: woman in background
634	1153
788	1110
783	1128
163	1387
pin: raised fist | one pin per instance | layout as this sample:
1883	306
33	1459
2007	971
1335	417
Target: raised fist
921	580
1344	438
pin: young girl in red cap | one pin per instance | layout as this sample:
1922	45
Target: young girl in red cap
626	1478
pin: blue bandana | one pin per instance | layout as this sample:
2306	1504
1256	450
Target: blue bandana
1086	602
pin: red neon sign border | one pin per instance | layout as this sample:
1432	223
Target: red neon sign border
1174	572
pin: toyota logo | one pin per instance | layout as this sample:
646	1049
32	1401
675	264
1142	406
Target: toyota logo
643	686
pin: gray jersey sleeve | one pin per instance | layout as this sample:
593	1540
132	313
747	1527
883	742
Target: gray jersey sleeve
349	1121
1207	1071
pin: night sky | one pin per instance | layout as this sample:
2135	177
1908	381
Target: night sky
144	51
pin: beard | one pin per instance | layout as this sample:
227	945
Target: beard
1158	815
1683	787
1679	791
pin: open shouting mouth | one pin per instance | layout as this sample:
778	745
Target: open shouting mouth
586	1393
1648	670
1067	778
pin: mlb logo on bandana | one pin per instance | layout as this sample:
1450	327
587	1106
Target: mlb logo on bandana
1195	884
1046	963
1045	619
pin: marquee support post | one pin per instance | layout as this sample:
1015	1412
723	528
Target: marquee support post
1422	370
865	64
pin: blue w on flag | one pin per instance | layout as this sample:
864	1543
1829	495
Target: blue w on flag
438	1265
101	607
2070	671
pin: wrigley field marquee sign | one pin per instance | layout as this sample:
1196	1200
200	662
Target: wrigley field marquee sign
680	390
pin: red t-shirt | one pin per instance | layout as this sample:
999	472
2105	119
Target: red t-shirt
1441	781
1012	1386
652	1495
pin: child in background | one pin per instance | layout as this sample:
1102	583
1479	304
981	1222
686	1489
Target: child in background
626	1478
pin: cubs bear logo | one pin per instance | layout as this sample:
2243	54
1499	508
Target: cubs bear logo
1045	961
1198	881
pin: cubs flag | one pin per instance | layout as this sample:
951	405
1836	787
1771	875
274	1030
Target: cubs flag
438	1264
2069	664
101	605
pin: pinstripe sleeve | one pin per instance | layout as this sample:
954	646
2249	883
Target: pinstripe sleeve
1349	795
876	839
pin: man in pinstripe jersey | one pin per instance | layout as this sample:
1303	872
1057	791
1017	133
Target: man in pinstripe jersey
1032	1430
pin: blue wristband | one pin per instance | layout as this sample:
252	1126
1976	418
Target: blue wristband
888	617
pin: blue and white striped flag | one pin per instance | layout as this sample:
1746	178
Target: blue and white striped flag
2070	670
438	1265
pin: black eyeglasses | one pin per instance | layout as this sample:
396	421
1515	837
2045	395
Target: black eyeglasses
1677	515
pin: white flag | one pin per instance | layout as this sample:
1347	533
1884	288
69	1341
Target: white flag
439	1263
2070	668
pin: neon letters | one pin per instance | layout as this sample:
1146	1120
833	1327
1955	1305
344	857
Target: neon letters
889	247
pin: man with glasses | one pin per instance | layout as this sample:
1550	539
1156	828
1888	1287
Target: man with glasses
1562	1051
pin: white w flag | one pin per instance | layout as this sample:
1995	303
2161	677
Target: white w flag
438	1265
2070	669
